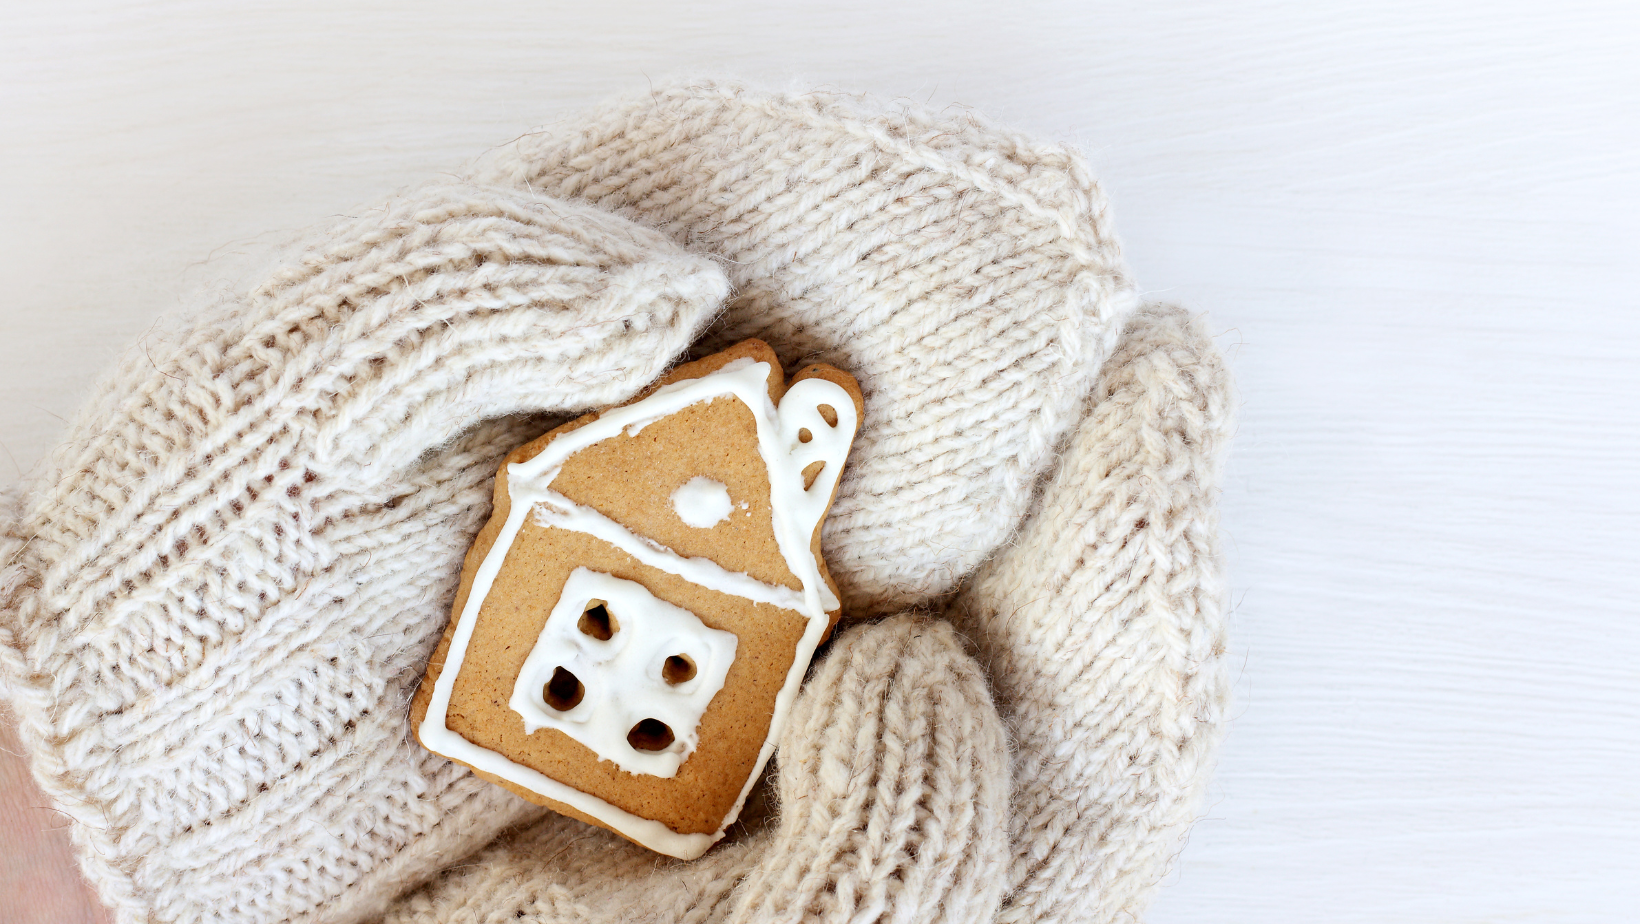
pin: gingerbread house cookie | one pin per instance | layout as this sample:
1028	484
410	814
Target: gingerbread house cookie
633	623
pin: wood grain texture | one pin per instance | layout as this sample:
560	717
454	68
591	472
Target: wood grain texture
1415	224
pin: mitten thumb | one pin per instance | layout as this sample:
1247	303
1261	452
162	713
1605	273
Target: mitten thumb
464	302
893	777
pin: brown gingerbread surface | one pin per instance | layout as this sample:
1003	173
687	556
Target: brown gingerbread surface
630	479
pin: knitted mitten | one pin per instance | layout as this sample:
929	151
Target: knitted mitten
217	599
259	581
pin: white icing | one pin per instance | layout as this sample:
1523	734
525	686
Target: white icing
622	676
555	509
702	502
827	445
796	514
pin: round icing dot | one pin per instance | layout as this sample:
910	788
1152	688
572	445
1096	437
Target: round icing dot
702	502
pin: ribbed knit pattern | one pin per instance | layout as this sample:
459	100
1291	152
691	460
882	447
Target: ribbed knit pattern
218	595
965	274
1103	630
892	781
224	587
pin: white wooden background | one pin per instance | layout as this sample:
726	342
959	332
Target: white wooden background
1414	224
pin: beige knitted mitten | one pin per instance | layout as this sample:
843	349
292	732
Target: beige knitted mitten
219	595
215	601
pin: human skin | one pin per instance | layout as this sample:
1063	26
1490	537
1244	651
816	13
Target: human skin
39	880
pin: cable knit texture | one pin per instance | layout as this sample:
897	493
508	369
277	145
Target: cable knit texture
217	596
965	274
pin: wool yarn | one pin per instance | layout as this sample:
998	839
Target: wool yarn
216	598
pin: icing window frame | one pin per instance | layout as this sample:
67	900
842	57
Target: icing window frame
624	675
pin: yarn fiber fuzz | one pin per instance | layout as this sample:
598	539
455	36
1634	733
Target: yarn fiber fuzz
218	594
